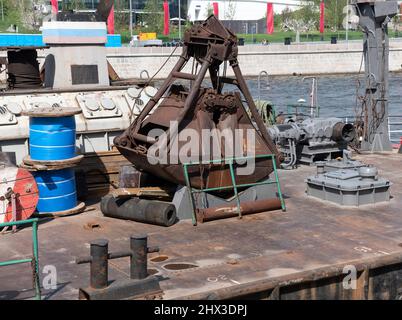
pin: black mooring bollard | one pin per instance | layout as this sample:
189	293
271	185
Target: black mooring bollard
140	283
139	252
99	264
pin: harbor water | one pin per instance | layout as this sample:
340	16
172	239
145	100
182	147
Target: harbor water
336	93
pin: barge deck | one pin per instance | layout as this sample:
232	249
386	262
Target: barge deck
297	254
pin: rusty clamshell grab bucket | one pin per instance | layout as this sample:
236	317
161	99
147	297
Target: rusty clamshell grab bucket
209	44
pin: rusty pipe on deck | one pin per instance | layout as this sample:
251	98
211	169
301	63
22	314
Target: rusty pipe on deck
248	207
141	210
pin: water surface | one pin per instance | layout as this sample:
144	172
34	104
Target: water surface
336	93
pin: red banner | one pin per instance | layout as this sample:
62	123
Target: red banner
322	9
166	18
216	9
110	22
55	6
270	18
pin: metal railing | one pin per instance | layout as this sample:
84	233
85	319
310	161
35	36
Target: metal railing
34	260
394	126
230	162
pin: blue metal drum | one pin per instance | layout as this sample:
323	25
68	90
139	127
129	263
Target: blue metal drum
57	190
52	138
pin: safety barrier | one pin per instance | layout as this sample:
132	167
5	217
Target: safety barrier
34	260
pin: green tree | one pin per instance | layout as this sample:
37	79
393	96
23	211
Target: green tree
230	11
304	19
210	10
333	13
286	14
75	5
153	15
11	10
122	18
308	12
11	14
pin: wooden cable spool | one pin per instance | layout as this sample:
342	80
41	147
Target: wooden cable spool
18	188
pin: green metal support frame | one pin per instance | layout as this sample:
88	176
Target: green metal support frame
235	186
35	252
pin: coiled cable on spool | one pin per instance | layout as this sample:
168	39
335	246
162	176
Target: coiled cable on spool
23	69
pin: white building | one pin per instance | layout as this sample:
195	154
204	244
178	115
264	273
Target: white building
237	10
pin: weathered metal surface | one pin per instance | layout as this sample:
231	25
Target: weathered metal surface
309	140
374	17
19	193
23	69
313	239
210	44
140	284
248	207
343	132
80	208
141	210
145	289
151	192
40	165
19	48
99	259
322	283
51	112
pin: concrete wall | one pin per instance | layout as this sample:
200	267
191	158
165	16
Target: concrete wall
276	59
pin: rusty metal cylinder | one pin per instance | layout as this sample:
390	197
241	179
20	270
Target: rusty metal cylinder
139	252
343	132
23	69
141	210
248	207
99	264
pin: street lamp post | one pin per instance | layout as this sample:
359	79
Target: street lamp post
347	23
131	18
179	19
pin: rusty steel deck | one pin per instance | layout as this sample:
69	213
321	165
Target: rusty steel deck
297	254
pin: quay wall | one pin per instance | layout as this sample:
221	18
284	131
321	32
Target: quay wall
276	59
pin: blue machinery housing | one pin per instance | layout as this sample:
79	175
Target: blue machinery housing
21	40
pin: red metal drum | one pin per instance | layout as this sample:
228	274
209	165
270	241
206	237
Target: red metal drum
21	183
